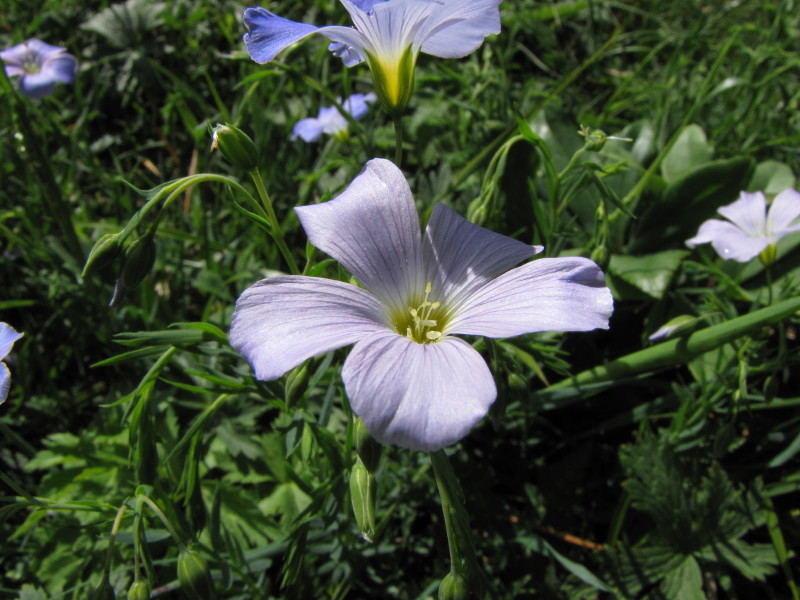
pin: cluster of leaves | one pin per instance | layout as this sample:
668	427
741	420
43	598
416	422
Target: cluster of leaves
609	468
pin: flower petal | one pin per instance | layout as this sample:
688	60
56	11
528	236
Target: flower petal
7	338
61	67
372	229
15	55
268	34
37	85
783	214
549	294
749	213
460	256
42	49
332	120
457	27
419	396
5	382
308	129
358	104
281	321
730	242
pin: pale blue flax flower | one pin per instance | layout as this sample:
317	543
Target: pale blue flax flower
411	381
39	66
750	230
387	34
331	121
7	338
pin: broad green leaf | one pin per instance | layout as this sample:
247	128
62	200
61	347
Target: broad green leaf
685	582
771	177
690	151
650	274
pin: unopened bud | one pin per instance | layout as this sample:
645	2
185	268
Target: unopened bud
369	450
235	145
140	257
454	587
476	211
600	256
104	591
139	590
362	494
296	384
195	576
105	250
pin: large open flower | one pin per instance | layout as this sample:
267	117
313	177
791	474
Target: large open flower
408	378
331	121
388	34
39	66
750	230
7	338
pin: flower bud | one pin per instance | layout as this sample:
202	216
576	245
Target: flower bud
296	384
105	250
600	256
454	586
369	450
476	211
104	591
235	145
195	576
596	139
139	590
139	259
362	494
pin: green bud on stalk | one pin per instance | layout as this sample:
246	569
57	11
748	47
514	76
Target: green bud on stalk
139	590
195	576
104	591
296	384
235	145
105	250
362	495
140	257
454	586
369	450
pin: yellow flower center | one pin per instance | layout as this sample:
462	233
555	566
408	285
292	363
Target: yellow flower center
421	324
31	64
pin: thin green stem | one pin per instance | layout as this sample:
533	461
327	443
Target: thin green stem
277	233
398	139
156	509
111	538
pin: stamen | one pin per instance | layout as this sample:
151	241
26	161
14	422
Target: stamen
420	329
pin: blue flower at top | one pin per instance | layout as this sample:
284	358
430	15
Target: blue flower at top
331	121
387	34
7	338
39	66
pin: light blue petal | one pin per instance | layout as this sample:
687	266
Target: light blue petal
730	242
350	56
37	85
5	382
783	214
268	34
15	55
358	105
457	27
7	338
282	321
332	120
308	129
461	256
372	229
348	43
61	67
42	49
549	294
419	396
748	213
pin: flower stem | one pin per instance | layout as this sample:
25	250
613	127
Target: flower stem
456	520
398	139
111	538
277	234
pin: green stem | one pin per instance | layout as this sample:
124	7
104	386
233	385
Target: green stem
398	139
112	537
155	508
456	520
277	234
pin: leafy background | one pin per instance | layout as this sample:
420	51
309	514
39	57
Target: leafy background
668	474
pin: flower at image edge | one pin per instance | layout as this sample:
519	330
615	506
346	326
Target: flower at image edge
329	120
7	338
39	66
750	229
411	381
388	35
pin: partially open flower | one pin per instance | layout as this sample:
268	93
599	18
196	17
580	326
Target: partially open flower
39	66
750	230
388	34
409	379
331	121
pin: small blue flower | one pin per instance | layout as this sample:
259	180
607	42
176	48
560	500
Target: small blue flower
387	34
39	66
331	121
7	338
